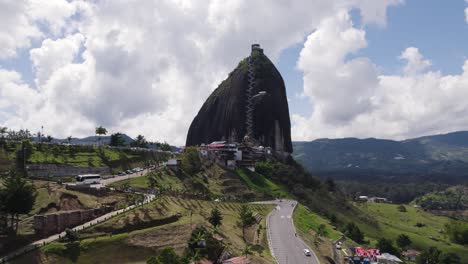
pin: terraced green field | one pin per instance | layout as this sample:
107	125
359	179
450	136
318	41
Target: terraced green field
137	246
392	223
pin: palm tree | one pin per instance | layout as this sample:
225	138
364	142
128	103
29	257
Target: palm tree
100	131
69	139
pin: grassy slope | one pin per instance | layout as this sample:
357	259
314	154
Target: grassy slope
260	184
392	223
308	222
166	178
127	247
48	193
85	156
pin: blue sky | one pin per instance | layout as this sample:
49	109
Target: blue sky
436	27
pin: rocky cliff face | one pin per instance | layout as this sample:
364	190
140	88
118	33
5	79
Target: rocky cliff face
223	116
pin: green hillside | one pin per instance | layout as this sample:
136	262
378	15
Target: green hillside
453	198
137	246
87	155
392	222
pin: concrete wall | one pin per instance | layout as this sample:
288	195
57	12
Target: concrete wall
57	222
43	170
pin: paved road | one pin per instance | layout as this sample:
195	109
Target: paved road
124	177
284	244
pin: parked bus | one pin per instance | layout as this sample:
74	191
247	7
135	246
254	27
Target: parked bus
88	179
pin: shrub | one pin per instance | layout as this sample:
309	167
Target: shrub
401	208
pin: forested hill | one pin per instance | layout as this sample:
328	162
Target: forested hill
430	155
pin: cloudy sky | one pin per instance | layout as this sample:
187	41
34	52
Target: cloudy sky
362	68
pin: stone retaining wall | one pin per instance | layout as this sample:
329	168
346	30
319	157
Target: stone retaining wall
44	170
57	222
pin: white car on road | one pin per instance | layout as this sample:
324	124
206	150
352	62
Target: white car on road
307	252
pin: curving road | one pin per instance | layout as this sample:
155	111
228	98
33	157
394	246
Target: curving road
285	246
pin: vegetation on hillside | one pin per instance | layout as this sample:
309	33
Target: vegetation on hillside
190	236
82	155
423	229
453	198
17	197
398	170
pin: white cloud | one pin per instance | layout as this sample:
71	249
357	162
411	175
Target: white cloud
415	61
54	13
375	12
333	84
14	94
352	99
17	28
53	55
147	66
466	14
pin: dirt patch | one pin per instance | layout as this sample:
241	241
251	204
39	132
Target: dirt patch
67	202
70	202
172	236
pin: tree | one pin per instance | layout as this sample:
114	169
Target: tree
117	140
403	241
18	197
23	153
386	245
246	218
100	131
449	258
69	139
56	151
190	161
165	146
321	232
215	217
352	231
167	255
457	232
429	256
49	138
140	142
3	132
71	235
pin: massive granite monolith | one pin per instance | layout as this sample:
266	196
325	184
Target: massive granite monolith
224	114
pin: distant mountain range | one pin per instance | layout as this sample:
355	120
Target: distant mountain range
436	155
